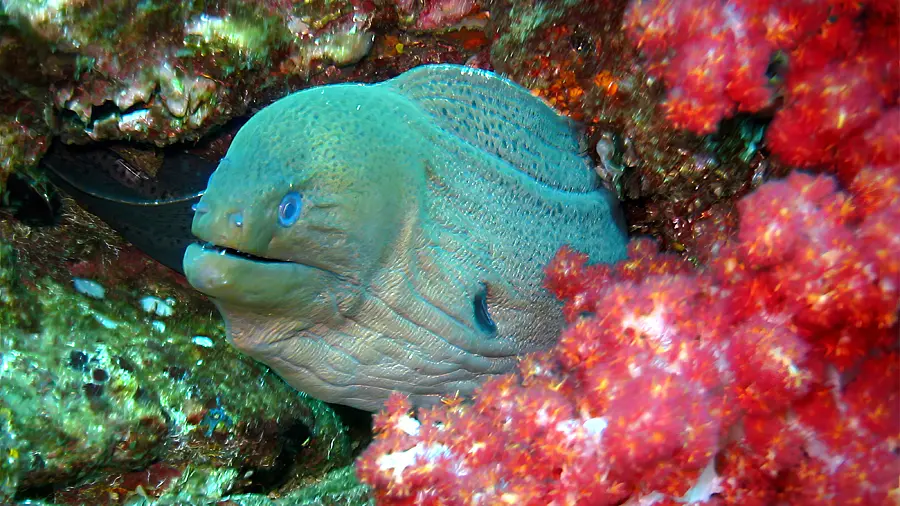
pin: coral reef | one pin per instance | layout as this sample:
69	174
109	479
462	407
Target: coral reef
433	14
674	185
166	72
162	72
24	135
769	375
626	70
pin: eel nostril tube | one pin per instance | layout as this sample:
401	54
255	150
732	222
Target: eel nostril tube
200	207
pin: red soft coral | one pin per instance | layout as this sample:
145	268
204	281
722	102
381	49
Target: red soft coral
803	234
824	108
713	56
766	377
841	78
771	365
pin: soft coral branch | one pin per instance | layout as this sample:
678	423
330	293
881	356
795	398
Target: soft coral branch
839	87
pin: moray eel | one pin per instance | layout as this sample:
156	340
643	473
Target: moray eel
365	239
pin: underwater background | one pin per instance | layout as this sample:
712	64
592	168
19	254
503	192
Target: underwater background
745	353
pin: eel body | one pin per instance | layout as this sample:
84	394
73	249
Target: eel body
365	239
153	213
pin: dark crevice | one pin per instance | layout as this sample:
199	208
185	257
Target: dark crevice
279	473
103	111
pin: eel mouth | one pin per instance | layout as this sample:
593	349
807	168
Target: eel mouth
226	251
215	249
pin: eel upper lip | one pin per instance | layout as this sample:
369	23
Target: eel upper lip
226	251
223	250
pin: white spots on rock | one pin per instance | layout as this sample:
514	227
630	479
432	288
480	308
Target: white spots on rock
7	358
105	321
203	341
213	29
90	288
297	26
138	93
182	92
339	45
137	121
81	108
157	306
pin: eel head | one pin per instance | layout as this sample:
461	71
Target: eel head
292	227
316	247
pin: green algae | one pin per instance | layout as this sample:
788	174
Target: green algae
23	140
526	18
9	455
96	387
337	488
226	35
18	305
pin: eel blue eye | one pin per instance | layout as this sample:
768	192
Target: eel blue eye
289	209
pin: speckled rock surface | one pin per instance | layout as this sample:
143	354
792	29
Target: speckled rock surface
163	72
136	393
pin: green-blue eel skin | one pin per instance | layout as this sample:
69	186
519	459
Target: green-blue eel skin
429	205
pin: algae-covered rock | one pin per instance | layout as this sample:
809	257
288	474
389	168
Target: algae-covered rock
115	395
337	488
24	135
9	456
157	71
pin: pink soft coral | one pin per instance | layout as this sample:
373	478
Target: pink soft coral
841	85
433	14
